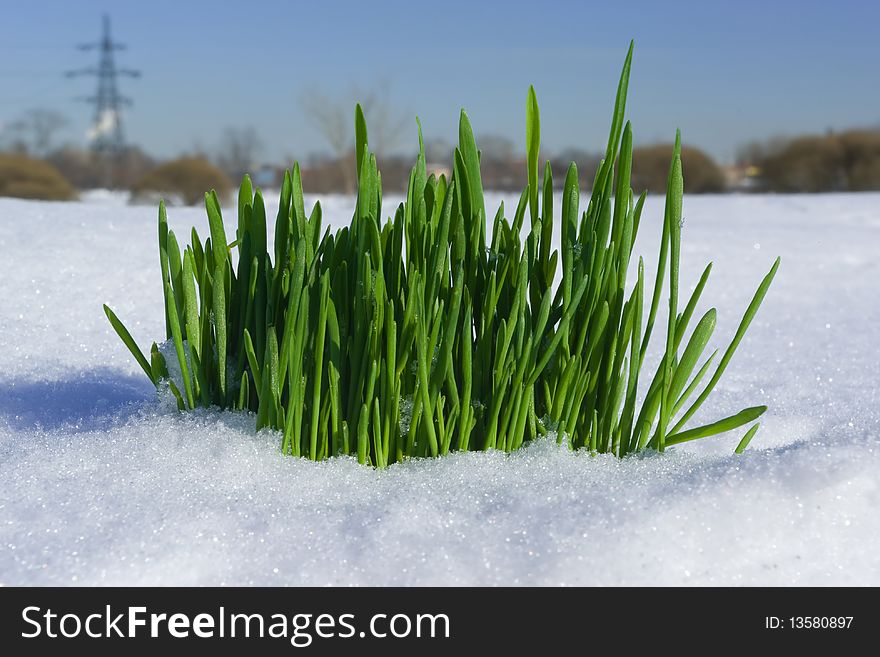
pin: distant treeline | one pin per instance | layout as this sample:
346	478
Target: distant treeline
847	161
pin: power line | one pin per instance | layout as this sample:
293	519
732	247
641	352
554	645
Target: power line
25	73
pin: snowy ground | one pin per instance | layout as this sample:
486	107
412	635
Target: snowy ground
104	484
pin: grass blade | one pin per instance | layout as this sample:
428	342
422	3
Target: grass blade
727	424
129	342
747	439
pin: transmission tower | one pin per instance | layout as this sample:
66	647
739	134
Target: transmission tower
106	133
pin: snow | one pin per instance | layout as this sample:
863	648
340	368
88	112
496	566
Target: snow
108	196
106	484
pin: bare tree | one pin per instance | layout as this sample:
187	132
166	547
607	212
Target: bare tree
238	152
14	137
438	151
38	128
587	163
386	127
333	117
495	148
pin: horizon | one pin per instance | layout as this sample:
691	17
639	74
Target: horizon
726	79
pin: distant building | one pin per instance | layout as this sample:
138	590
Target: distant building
742	177
438	169
268	176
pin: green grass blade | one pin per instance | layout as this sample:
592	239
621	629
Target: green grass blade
533	146
129	342
218	233
220	325
727	424
190	303
692	353
674	193
244	392
619	106
360	132
749	315
256	371
177	337
744	443
163	258
471	159
319	363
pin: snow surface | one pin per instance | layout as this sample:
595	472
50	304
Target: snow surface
104	484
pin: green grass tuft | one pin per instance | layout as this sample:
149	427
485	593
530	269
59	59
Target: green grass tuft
425	334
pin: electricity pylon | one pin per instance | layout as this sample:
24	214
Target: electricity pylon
106	134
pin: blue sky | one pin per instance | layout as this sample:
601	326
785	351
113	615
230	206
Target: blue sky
725	72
